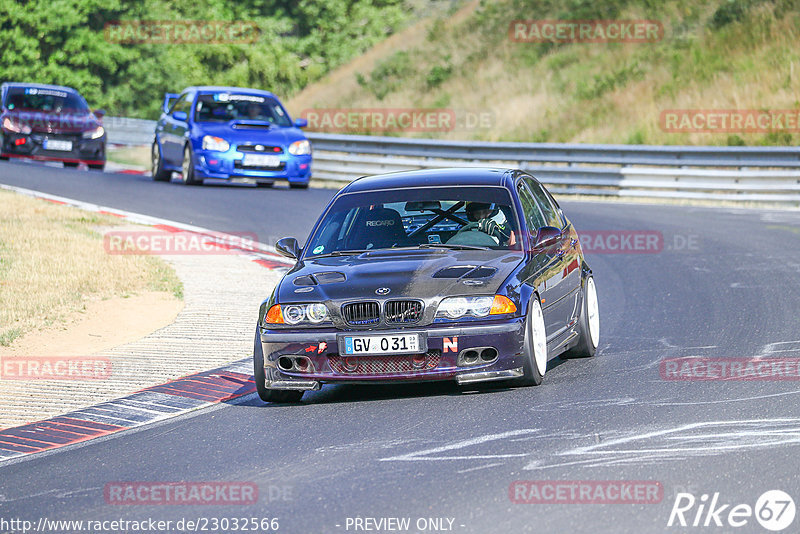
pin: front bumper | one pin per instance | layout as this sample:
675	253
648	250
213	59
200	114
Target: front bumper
89	151
443	360
227	167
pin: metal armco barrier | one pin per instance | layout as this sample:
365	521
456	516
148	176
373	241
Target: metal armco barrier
760	174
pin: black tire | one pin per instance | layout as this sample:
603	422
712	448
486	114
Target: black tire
269	395
532	376
159	173
97	166
298	186
265	185
187	168
586	347
3	158
71	164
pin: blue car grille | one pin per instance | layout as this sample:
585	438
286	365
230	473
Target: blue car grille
361	313
265	149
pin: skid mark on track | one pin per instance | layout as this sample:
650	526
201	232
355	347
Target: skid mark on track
428	455
691	440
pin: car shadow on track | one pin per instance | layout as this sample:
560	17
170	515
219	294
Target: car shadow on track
347	393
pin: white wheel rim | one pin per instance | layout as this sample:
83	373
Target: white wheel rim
155	158
539	338
185	166
594	312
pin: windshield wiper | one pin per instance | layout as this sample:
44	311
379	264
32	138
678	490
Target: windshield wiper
342	253
452	247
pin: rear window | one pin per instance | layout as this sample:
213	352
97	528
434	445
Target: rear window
410	218
224	107
47	100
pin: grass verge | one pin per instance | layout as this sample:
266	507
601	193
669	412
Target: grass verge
52	262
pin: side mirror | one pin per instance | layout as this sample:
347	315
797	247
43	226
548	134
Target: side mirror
180	116
99	113
169	98
546	237
288	247
300	123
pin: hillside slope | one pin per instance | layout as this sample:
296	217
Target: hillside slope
720	55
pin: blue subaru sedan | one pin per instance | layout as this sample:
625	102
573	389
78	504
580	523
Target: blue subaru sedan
227	135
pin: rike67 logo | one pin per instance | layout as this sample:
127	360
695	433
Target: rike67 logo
774	510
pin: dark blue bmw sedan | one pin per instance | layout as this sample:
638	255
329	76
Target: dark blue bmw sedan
229	134
466	275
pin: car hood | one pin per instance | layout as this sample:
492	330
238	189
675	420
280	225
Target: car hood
42	122
252	132
421	274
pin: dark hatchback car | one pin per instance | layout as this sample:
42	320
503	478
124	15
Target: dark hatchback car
50	123
468	275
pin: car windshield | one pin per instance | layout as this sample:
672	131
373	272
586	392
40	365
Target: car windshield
224	107
448	217
42	99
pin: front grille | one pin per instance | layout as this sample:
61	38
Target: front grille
361	313
264	150
384	365
403	311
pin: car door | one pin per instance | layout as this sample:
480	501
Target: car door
567	283
543	266
172	131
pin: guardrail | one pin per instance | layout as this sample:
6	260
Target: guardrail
770	174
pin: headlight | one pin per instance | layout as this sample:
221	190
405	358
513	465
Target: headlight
300	148
94	134
218	144
297	314
457	307
13	126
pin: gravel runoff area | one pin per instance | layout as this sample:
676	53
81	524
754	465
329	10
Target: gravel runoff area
221	298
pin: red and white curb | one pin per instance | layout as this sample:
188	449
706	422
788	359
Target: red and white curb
154	403
260	253
149	405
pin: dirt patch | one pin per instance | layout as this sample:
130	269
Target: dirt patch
103	325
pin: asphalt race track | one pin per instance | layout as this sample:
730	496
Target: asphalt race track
724	283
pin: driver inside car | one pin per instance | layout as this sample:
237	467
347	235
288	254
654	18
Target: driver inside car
482	214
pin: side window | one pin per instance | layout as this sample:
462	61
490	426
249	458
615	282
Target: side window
532	213
549	209
182	104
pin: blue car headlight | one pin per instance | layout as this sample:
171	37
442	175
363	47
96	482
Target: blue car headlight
300	148
211	142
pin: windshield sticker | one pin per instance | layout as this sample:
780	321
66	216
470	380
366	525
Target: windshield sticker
45	92
227	97
318	249
434	238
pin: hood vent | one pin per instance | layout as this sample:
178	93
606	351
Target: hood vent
329	278
465	271
319	279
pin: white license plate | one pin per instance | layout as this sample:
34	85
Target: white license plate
56	144
392	344
261	160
